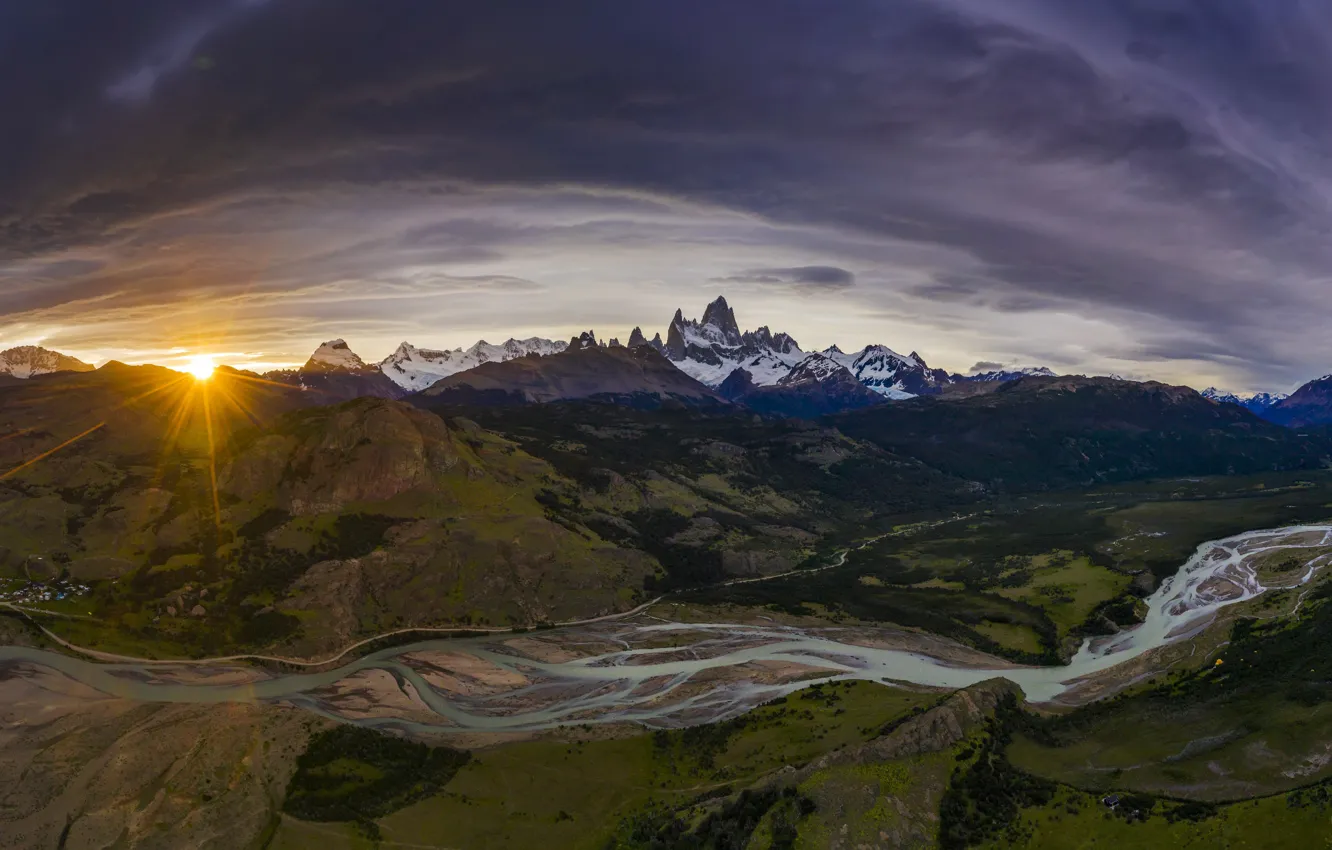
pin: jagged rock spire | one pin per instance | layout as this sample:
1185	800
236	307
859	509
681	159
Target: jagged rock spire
587	339
720	315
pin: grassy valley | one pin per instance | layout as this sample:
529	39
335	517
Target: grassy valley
299	529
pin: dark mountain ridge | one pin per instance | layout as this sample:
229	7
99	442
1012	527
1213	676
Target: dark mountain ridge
636	376
1310	405
335	373
815	387
1039	433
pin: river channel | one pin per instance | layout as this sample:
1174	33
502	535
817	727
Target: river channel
660	673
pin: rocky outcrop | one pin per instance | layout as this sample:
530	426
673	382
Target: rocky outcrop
937	729
710	349
885	794
587	339
88	771
321	460
637	340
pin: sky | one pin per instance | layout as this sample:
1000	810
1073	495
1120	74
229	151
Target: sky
1133	187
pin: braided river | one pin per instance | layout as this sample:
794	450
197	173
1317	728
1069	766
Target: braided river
651	671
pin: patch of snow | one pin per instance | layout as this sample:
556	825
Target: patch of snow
335	354
28	361
416	369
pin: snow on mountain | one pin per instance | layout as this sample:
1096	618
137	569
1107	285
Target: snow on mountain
585	340
27	361
710	349
815	367
1257	403
1265	400
1220	395
1009	374
816	386
335	373
334	356
891	374
415	368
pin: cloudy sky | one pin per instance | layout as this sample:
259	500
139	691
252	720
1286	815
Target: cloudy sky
1140	187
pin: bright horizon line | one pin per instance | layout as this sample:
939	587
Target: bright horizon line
179	360
273	366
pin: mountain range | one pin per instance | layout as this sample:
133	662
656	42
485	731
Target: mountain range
416	369
309	521
1258	402
1310	405
761	369
712	348
583	369
766	371
709	350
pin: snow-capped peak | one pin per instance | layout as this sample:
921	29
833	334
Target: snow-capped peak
815	367
27	361
1256	402
1011	373
334	356
416	369
717	328
1219	395
888	373
719	317
710	349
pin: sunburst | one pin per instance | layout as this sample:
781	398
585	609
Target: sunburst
201	367
200	408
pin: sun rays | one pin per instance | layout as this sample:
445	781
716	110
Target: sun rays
201	367
191	415
44	455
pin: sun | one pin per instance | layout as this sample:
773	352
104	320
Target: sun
201	367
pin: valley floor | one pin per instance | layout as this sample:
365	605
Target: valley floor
1215	738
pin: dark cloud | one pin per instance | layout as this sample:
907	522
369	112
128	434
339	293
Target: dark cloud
1152	169
985	366
800	277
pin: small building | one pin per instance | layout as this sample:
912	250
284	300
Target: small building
1111	802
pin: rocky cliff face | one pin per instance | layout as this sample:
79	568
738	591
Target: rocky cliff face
104	762
637	340
712	348
885	794
322	460
936	730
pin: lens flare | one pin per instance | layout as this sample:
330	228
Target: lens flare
201	367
